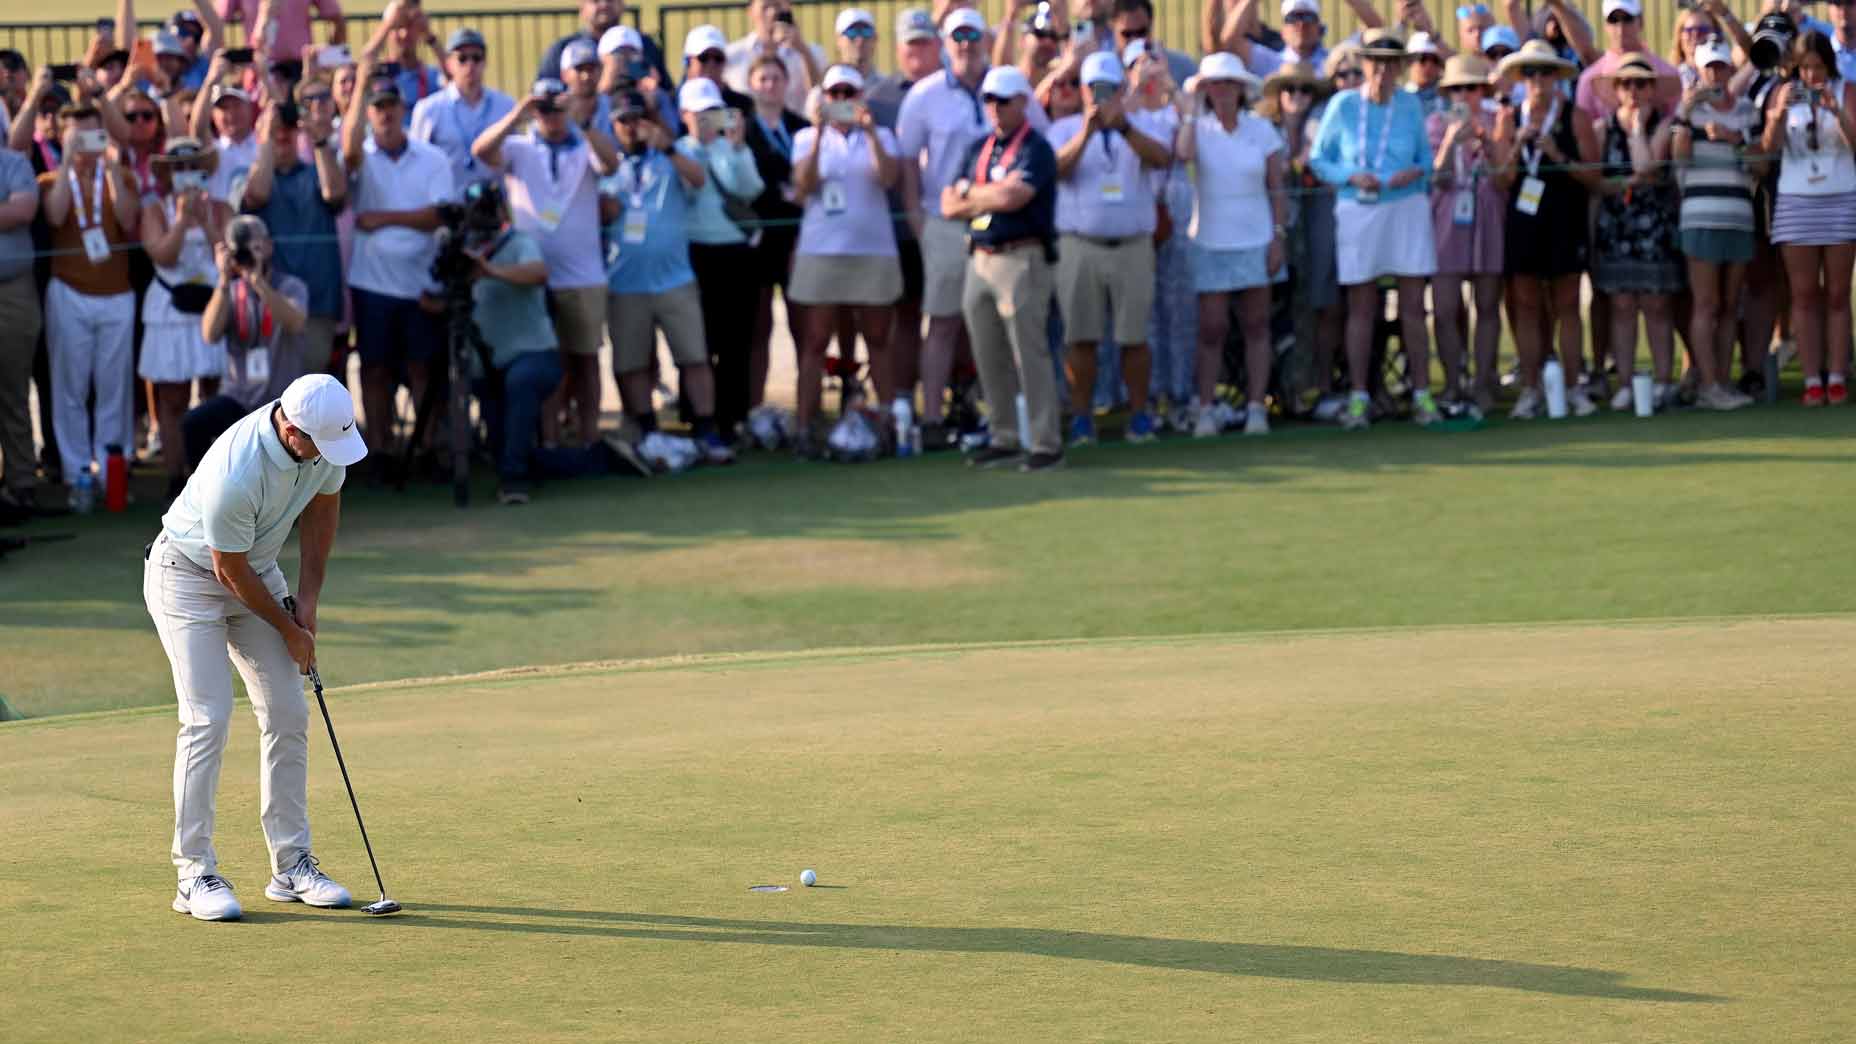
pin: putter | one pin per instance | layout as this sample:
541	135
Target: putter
385	905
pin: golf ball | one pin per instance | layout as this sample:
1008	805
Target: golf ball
808	878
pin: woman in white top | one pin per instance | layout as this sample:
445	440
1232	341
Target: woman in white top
846	264
179	227
1237	226
1810	127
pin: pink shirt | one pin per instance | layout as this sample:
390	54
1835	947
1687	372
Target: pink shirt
290	17
1598	103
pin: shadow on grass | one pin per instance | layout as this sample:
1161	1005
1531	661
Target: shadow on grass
1261	960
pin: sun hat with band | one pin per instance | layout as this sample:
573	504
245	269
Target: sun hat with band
320	407
1633	66
1466	70
1536	53
1223	65
1384	45
1294	74
189	151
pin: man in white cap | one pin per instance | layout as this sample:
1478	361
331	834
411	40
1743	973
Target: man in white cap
597	18
1006	193
776	32
856	36
455	117
1624	36
941	120
232	117
918	56
1105	258
624	67
1422	71
212	584
705	57
1233	25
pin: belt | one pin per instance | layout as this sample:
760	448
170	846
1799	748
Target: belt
1111	242
1008	247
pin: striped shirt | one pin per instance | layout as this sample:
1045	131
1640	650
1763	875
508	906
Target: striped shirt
1716	190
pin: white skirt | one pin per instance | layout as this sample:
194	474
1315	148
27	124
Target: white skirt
1383	239
173	352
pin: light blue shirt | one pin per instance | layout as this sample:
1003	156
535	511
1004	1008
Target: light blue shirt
513	319
1846	59
1264	61
729	168
655	203
246	495
449	122
1340	151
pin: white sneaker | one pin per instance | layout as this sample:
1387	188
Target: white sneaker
1581	403
1256	419
1718	397
207	897
1621	401
306	883
1527	407
1205	426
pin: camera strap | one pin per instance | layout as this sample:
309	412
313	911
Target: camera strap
248	317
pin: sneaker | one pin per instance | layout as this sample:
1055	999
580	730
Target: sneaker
1716	397
1836	392
1181	418
996	457
1424	410
1354	418
1527	407
1814	395
1042	462
1256	419
1581	403
934	437
207	897
306	883
1141	428
1205	424
626	455
1082	430
512	493
1620	402
714	450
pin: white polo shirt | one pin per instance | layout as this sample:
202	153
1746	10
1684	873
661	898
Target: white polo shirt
849	211
396	261
556	200
1233	204
943	119
227	183
449	123
246	495
1108	193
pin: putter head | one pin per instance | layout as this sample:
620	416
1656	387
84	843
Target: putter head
382	908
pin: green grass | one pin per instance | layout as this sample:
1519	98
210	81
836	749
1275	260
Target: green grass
1545	833
1612	518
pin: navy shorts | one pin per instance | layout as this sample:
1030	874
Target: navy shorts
390	331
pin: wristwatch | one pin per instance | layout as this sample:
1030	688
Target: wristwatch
963	186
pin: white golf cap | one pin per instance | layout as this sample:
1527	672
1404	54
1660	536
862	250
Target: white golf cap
703	38
853	16
618	38
699	95
1634	8
1422	43
1223	65
1004	81
319	406
578	53
1715	50
1290	7
963	18
842	76
1102	67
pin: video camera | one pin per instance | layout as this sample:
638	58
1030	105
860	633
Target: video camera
1772	40
463	227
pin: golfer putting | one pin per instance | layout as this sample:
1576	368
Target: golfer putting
212	584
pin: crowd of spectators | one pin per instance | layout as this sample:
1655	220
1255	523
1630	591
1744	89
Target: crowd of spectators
1059	216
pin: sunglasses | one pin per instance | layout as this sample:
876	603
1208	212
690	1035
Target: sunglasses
966	34
1349	75
1141	33
1429	59
468	57
316	96
140	115
190	34
1632	85
1304	17
628	118
1535	72
841	93
859	32
1302	89
1620	18
1464	14
1074	83
712	57
994	99
1050	34
1704	30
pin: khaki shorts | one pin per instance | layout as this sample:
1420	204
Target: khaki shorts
845	279
944	266
635	319
579	318
1091	275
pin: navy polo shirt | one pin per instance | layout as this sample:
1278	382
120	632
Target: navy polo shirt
1038	162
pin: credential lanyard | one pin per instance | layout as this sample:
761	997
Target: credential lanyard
1385	137
1532	159
77	198
983	170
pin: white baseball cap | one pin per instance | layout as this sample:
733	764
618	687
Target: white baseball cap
1223	65
1102	67
319	406
1290	7
699	95
853	16
1422	43
703	38
1634	8
963	18
618	38
1715	50
842	76
1004	81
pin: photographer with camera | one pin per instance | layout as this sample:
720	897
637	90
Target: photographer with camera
552	174
257	316
301	199
776	33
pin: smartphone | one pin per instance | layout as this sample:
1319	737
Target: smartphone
1103	92
841	112
1459	111
289	69
784	16
334	56
1708	94
387	71
92	140
65	72
189	181
238	55
106	27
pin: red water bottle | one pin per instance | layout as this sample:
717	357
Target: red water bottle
116	479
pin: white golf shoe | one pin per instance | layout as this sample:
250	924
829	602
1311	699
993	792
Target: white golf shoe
306	883
208	898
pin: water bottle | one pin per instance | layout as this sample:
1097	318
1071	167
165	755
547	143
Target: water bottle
1553	382
115	479
1024	421
84	493
904	417
1772	377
